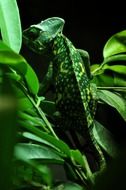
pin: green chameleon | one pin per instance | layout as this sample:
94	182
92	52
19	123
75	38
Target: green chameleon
70	72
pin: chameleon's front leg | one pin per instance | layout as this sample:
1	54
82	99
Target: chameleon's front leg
47	81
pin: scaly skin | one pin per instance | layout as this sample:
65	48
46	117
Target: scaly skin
74	97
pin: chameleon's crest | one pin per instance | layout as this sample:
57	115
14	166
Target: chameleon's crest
48	29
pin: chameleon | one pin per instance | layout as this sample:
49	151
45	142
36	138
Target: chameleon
69	71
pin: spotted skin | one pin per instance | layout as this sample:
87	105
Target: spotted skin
73	93
74	96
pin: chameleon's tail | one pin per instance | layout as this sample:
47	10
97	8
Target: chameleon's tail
91	149
94	154
86	143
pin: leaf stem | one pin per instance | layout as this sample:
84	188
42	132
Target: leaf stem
40	112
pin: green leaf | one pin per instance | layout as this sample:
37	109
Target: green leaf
104	80
105	139
9	57
96	69
121	69
24	104
19	64
119	81
36	138
115	45
32	80
80	159
35	121
31	171
116	63
24	151
112	72
113	100
10	24
115	60
59	145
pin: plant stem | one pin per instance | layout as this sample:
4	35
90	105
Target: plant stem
39	111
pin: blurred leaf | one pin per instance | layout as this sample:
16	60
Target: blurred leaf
19	64
23	101
10	24
69	186
34	121
31	174
105	139
32	112
115	45
9	57
7	130
13	76
25	151
24	104
113	100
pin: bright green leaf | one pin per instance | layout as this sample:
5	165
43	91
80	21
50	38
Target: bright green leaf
10	24
33	137
77	157
80	159
114	58
24	104
24	151
116	63
19	64
112	61
96	69
121	69
35	121
115	45
32	80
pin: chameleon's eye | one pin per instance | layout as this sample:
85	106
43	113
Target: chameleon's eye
34	33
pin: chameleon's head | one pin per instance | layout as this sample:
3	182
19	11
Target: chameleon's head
38	37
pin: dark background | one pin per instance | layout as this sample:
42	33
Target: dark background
88	24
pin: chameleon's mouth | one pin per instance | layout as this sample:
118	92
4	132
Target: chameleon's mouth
34	45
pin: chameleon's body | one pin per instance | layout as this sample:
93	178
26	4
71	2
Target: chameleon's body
74	99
